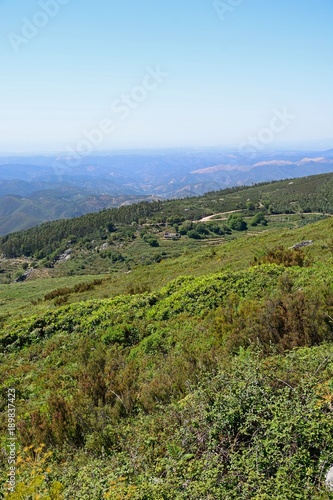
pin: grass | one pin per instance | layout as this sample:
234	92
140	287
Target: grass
19	300
147	268
151	350
183	257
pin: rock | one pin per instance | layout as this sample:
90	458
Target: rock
24	276
329	479
65	256
303	244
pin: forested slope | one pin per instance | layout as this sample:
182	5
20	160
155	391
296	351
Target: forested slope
308	194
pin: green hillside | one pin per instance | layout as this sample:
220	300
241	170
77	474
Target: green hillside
149	367
18	213
308	194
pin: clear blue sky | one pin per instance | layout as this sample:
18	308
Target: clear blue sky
225	76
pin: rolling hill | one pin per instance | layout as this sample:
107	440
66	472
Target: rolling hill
137	175
309	194
18	213
198	367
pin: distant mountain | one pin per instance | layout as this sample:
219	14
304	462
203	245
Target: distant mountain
42	188
18	213
311	194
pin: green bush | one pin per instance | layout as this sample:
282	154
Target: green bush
259	218
236	222
193	234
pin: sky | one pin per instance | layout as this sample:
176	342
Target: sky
128	74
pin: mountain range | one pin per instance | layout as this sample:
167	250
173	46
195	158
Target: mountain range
35	189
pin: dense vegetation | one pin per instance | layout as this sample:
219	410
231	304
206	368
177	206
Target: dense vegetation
309	194
18	213
205	374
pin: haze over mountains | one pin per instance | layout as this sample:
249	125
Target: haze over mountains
34	189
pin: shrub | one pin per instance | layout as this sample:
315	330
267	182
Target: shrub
236	222
282	322
59	292
151	240
193	234
202	229
259	218
280	255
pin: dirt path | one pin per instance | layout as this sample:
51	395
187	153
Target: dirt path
209	217
222	214
302	213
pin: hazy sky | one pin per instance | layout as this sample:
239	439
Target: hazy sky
153	73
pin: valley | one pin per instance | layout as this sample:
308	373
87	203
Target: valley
36	189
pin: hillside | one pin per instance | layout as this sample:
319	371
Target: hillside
47	188
18	213
309	194
198	367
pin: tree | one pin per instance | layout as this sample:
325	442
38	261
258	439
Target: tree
202	229
186	227
250	206
236	222
259	218
151	240
193	234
